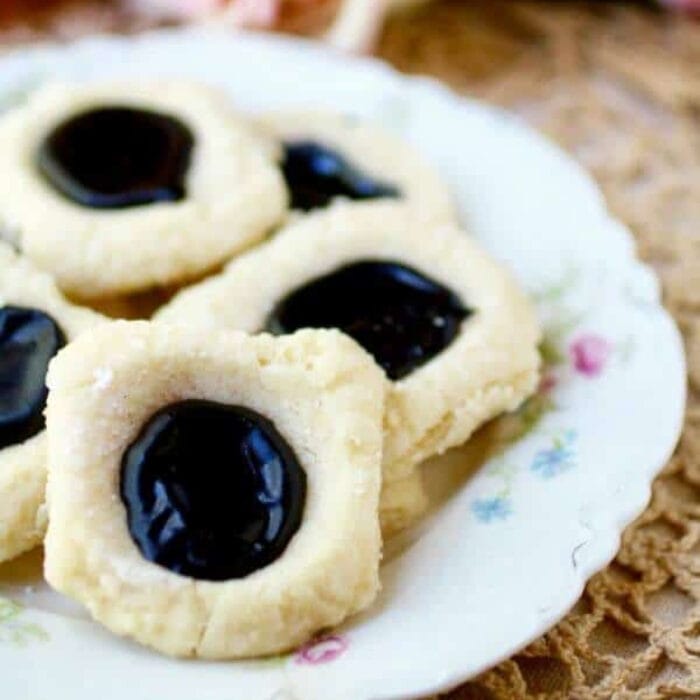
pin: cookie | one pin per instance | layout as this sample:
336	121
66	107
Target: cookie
35	322
204	488
448	324
402	503
118	187
326	156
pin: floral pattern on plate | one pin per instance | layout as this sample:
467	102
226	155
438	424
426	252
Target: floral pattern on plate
568	353
14	629
322	650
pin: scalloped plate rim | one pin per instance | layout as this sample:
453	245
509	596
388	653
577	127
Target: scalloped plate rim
603	545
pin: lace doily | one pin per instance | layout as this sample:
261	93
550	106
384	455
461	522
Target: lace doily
619	87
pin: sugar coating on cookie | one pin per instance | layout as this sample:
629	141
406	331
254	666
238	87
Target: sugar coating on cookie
27	297
361	160
481	331
183	184
321	394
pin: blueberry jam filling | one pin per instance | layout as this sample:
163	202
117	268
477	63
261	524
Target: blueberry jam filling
212	491
399	315
28	340
316	175
117	157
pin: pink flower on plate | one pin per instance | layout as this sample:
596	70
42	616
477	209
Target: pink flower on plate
590	353
321	650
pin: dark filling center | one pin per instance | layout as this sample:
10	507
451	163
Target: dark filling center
117	157
399	315
213	492
28	340
316	175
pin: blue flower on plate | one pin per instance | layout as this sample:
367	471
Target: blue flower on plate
489	509
555	459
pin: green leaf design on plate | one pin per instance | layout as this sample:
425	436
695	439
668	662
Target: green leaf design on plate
555	292
274	661
20	94
16	631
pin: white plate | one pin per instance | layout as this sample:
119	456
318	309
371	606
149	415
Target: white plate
509	546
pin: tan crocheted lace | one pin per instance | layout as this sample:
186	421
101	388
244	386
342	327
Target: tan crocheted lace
619	87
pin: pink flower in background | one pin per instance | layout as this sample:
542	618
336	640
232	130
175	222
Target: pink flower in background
352	25
359	18
691	6
246	13
249	13
175	9
590	354
321	651
255	13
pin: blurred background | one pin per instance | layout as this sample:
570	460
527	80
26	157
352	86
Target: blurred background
617	84
350	24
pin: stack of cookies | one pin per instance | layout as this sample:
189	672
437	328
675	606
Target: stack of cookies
221	477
